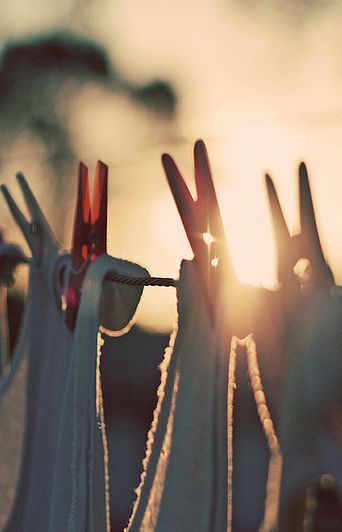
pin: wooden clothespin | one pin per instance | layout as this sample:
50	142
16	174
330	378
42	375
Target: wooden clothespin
304	245
202	223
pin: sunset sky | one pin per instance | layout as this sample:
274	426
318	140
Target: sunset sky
260	82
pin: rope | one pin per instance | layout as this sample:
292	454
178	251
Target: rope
124	279
141	281
115	277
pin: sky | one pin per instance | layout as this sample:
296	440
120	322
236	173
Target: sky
259	81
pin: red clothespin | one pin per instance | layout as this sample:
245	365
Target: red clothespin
89	235
202	223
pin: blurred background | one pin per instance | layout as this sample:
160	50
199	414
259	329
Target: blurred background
125	81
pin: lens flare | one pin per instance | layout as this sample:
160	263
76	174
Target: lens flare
208	238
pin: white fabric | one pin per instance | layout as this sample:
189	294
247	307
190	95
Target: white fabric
184	484
62	479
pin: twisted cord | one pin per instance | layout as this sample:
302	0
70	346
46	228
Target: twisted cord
141	281
113	276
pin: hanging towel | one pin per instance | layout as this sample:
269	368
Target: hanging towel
42	336
62	469
80	475
184	482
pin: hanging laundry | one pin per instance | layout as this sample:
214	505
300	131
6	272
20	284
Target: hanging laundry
80	484
311	396
311	410
184	482
21	392
62	473
46	345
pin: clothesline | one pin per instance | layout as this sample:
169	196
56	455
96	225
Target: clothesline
141	281
113	276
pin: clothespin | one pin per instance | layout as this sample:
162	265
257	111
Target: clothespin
89	235
37	232
202	223
305	245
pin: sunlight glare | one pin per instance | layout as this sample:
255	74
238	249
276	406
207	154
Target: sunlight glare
249	234
248	229
208	238
215	262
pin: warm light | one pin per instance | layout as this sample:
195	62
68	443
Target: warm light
303	269
214	262
248	229
208	238
249	233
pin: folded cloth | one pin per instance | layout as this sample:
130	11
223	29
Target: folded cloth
184	483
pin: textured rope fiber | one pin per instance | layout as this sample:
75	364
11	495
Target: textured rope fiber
141	281
116	278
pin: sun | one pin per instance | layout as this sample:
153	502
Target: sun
248	230
249	234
